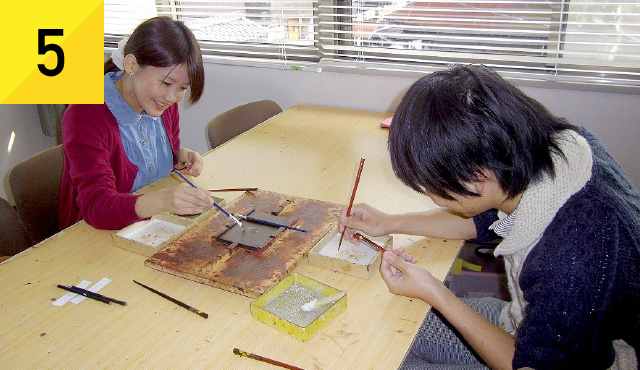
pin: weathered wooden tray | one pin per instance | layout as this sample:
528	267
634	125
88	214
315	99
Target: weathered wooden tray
199	257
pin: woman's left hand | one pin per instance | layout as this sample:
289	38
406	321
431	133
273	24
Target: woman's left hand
190	162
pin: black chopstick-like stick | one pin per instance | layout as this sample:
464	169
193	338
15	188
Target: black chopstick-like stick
92	295
269	223
179	303
234	189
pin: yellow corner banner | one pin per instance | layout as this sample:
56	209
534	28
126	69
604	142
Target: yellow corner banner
53	52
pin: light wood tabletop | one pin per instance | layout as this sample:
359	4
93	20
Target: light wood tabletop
306	151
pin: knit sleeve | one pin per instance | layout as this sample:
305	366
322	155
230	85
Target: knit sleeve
482	222
567	280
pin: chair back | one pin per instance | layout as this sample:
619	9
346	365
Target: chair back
235	121
35	186
13	236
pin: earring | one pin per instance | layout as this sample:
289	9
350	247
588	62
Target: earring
129	73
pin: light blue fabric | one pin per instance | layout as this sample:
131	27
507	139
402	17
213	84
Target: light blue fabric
143	137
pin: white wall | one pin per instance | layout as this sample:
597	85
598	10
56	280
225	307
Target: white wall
613	117
24	121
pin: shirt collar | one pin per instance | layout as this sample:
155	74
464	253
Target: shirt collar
121	110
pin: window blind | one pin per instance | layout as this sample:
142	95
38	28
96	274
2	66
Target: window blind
578	41
263	32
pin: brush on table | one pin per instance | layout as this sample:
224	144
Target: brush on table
179	303
214	202
264	359
353	195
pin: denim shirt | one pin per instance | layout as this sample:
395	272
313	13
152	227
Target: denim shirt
143	137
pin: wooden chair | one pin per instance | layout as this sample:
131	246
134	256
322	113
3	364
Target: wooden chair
13	234
235	121
35	186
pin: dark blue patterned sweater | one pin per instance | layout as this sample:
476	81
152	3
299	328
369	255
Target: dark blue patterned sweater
581	281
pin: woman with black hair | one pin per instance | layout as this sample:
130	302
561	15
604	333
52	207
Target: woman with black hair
113	149
500	165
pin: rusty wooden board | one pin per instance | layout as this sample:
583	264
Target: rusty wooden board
199	257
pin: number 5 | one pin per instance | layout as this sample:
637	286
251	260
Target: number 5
43	48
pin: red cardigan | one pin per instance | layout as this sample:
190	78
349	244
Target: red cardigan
97	176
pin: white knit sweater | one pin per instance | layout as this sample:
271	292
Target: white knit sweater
539	204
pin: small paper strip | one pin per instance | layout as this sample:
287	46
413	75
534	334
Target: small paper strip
69	296
77	298
95	288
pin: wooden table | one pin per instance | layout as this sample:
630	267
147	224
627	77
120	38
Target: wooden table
307	151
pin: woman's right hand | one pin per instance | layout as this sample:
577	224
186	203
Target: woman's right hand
364	218
186	200
180	200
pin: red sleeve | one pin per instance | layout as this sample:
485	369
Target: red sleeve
97	170
171	122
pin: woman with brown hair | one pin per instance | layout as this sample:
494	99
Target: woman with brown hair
115	148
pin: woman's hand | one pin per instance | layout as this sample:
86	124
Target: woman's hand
190	162
181	200
364	218
186	200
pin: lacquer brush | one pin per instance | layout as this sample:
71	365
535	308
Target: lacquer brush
265	359
219	207
353	195
179	303
320	302
369	242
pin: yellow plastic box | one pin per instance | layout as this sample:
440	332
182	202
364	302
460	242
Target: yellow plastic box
281	306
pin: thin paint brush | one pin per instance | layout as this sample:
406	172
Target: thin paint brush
353	195
264	359
268	223
179	303
369	242
214	202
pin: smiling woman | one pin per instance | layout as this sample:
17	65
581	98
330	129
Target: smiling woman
114	149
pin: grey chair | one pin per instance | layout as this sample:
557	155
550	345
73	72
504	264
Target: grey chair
35	186
13	234
237	120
